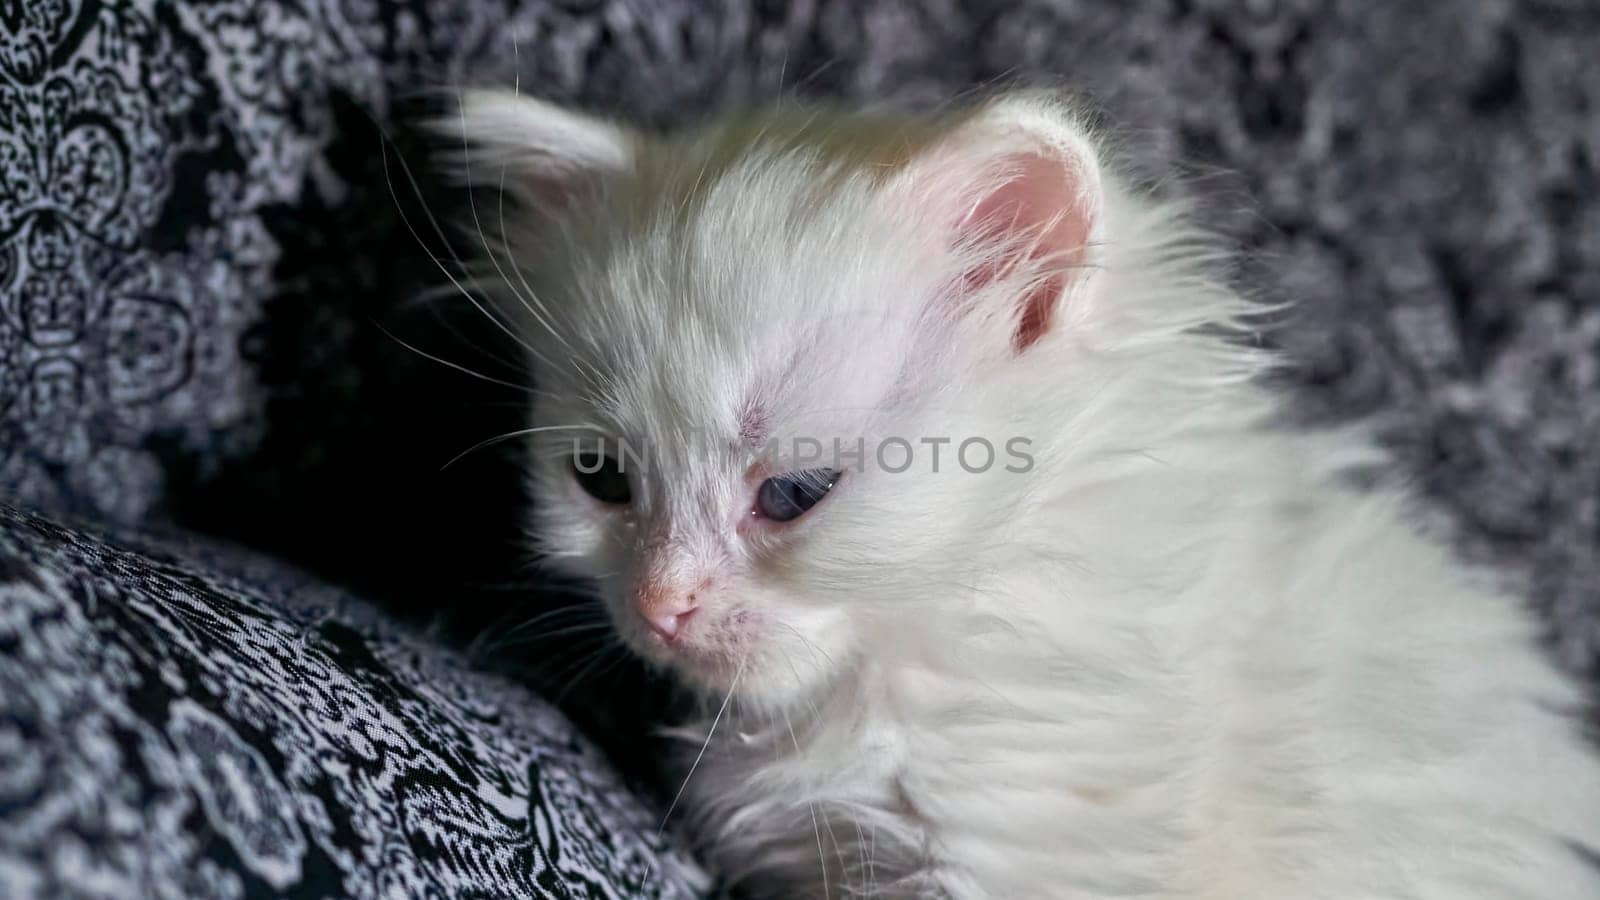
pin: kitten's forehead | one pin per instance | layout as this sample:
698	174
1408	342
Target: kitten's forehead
745	300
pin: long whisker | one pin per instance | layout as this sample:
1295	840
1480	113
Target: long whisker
822	858
607	653
510	435
457	366
494	258
703	747
810	644
438	312
528	291
576	656
580	612
564	631
384	142
516	90
438	230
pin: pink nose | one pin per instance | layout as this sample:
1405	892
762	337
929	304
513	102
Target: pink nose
665	610
667	624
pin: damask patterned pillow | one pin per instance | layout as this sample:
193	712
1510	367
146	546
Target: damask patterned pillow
197	722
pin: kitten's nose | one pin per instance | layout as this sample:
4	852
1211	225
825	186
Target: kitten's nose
665	609
667	624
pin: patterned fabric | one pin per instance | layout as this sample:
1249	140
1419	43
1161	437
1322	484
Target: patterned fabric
169	730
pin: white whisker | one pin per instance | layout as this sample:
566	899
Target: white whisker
457	366
511	435
439	231
710	733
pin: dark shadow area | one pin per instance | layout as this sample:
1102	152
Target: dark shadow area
353	478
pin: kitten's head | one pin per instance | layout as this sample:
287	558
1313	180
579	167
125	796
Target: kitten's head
764	350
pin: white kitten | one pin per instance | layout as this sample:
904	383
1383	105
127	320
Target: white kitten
1158	648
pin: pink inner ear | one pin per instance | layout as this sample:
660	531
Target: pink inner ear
1042	207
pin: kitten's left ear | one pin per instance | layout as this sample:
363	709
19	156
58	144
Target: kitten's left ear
547	155
1015	189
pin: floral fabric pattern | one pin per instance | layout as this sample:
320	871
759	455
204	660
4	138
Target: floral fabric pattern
167	729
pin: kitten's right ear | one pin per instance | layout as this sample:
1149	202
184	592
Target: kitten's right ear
543	153
1014	189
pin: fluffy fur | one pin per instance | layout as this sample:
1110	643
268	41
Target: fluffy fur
1183	657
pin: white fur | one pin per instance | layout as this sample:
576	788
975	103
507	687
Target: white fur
1183	658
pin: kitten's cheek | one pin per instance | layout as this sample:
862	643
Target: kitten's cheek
568	534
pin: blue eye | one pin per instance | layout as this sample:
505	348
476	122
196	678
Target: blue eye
787	497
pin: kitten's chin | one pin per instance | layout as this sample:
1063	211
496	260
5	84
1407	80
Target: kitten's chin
714	672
